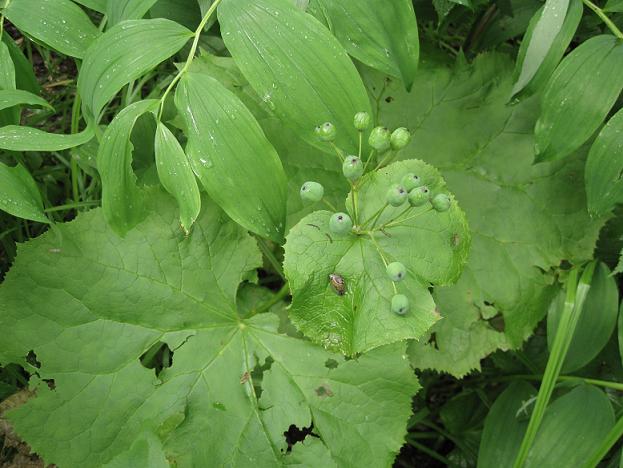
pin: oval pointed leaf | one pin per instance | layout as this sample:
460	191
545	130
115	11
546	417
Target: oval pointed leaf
433	247
380	33
604	168
234	161
122	54
11	98
578	97
121	10
176	175
24	75
19	194
122	201
7	69
18	138
597	320
542	47
297	67
60	24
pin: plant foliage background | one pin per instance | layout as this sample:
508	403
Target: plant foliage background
172	296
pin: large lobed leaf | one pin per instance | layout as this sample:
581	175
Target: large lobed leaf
524	219
89	304
433	246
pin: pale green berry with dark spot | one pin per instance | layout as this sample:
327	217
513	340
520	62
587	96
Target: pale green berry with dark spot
397	195
362	121
400	138
441	202
400	304
312	191
352	168
396	271
340	224
419	196
326	131
411	181
380	139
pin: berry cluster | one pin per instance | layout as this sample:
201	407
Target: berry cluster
410	191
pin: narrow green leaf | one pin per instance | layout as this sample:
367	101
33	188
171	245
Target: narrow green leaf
19	194
505	425
120	10
543	46
620	332
14	97
19	138
97	5
60	24
578	97
573	426
604	166
177	176
7	69
122	201
234	161
122	54
596	323
24	74
382	34
298	68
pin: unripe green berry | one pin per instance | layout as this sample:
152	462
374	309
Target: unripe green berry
419	196
312	191
352	168
400	138
411	181
326	131
362	121
396	271
340	223
400	304
441	202
396	195
380	139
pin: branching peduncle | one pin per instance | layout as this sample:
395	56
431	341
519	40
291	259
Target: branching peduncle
191	55
398	222
607	21
378	249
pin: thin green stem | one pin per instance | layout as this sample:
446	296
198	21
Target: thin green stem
388	157
398	222
75	170
607	443
270	256
365	166
562	378
338	151
1	25
378	249
279	296
574	302
191	55
360	144
355	192
71	206
607	21
329	204
375	217
430	452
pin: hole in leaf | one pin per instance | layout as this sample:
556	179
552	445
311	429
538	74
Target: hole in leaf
497	323
433	340
324	391
158	357
294	435
51	383
257	374
389	99
330	363
31	358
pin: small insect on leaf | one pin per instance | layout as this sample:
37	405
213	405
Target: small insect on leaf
245	378
338	284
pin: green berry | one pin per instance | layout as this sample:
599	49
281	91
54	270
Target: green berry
419	196
380	139
411	181
362	121
396	195
441	202
352	168
400	304
400	138
396	271
340	223
312	191
326	131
